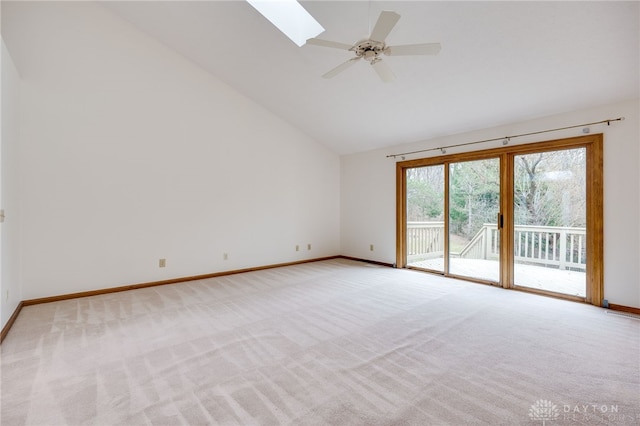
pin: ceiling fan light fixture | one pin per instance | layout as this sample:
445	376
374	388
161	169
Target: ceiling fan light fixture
289	17
370	55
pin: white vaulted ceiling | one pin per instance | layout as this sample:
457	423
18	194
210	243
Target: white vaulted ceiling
501	62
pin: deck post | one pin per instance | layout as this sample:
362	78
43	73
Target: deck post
563	249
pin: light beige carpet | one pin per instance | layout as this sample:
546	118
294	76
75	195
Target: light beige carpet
332	342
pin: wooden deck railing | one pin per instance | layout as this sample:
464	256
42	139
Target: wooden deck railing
564	247
425	240
560	247
484	245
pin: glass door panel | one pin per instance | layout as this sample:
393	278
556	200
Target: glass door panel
425	217
550	221
474	205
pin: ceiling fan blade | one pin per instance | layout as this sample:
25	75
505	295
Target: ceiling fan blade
383	70
328	43
386	21
413	49
343	66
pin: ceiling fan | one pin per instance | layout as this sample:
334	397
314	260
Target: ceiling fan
372	48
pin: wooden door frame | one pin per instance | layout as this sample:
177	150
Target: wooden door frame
594	208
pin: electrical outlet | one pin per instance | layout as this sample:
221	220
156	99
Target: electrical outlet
225	256
162	263
371	247
297	247
308	246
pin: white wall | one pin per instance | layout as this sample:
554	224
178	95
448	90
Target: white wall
130	153
10	285
368	191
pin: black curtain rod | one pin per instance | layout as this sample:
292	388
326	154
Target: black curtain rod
506	138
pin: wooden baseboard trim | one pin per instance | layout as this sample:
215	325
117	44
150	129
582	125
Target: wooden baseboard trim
164	282
623	308
375	262
14	316
7	326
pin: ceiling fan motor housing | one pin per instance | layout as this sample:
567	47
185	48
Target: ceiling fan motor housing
369	50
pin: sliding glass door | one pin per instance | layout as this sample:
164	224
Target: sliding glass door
526	217
550	221
425	206
474	206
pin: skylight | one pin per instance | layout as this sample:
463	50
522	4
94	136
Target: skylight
290	18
